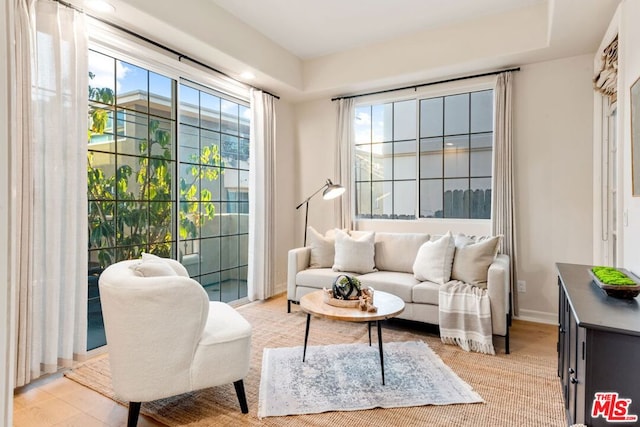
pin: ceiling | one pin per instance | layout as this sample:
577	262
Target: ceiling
310	29
304	49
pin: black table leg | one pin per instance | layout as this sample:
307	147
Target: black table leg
306	336
380	347
369	333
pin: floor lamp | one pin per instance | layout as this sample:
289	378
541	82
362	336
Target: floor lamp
331	191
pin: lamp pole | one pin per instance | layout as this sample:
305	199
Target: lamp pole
331	191
306	211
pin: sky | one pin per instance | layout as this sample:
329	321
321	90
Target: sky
128	77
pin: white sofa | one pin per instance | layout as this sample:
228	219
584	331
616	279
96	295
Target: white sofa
394	255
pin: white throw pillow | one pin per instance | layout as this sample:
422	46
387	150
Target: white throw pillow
434	260
472	259
354	255
331	233
322	249
151	257
152	266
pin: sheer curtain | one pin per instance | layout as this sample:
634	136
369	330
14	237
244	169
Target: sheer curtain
344	162
262	196
503	220
49	185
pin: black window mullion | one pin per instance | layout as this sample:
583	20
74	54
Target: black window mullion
468	213
370	174
444	100
393	150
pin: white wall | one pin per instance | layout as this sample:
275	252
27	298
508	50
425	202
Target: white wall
208	33
458	49
314	156
552	137
286	167
553	113
629	72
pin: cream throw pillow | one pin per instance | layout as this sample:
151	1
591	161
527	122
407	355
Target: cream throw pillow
397	251
322	249
434	260
152	266
472	259
354	255
151	257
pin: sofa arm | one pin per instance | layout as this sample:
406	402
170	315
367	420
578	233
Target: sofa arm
298	260
499	286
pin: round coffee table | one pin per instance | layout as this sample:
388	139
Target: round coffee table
388	306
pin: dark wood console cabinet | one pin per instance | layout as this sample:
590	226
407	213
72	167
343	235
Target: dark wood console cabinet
598	347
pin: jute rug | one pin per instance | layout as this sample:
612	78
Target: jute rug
520	389
347	377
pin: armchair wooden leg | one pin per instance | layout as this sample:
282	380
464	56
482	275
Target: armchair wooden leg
242	398
134	412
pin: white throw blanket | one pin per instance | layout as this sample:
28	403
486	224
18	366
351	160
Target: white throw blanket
465	317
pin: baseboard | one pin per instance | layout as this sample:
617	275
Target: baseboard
537	316
280	288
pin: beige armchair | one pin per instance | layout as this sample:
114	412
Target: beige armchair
165	338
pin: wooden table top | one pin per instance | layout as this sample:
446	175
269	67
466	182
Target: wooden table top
388	306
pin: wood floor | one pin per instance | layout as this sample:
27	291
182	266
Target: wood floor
58	401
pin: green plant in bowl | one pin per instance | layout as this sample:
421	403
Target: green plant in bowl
612	276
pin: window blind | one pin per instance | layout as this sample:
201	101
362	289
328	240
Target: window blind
606	79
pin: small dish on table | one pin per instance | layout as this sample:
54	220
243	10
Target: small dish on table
616	282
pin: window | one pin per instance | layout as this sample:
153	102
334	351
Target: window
214	185
168	173
425	157
131	161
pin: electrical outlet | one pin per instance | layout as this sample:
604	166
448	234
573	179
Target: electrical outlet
522	286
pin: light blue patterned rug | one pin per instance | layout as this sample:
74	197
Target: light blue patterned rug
346	377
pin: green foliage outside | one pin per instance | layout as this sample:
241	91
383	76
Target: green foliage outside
140	218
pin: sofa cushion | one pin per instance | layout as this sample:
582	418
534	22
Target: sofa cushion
426	293
355	255
396	283
472	259
318	277
434	260
398	251
322	249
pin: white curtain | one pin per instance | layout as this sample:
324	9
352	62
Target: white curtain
503	218
49	185
344	162
262	196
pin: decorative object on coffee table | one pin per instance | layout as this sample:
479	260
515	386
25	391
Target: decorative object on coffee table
616	282
347	292
346	287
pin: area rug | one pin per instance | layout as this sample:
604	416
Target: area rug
347	377
519	389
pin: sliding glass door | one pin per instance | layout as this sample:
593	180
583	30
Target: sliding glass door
167	174
214	188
